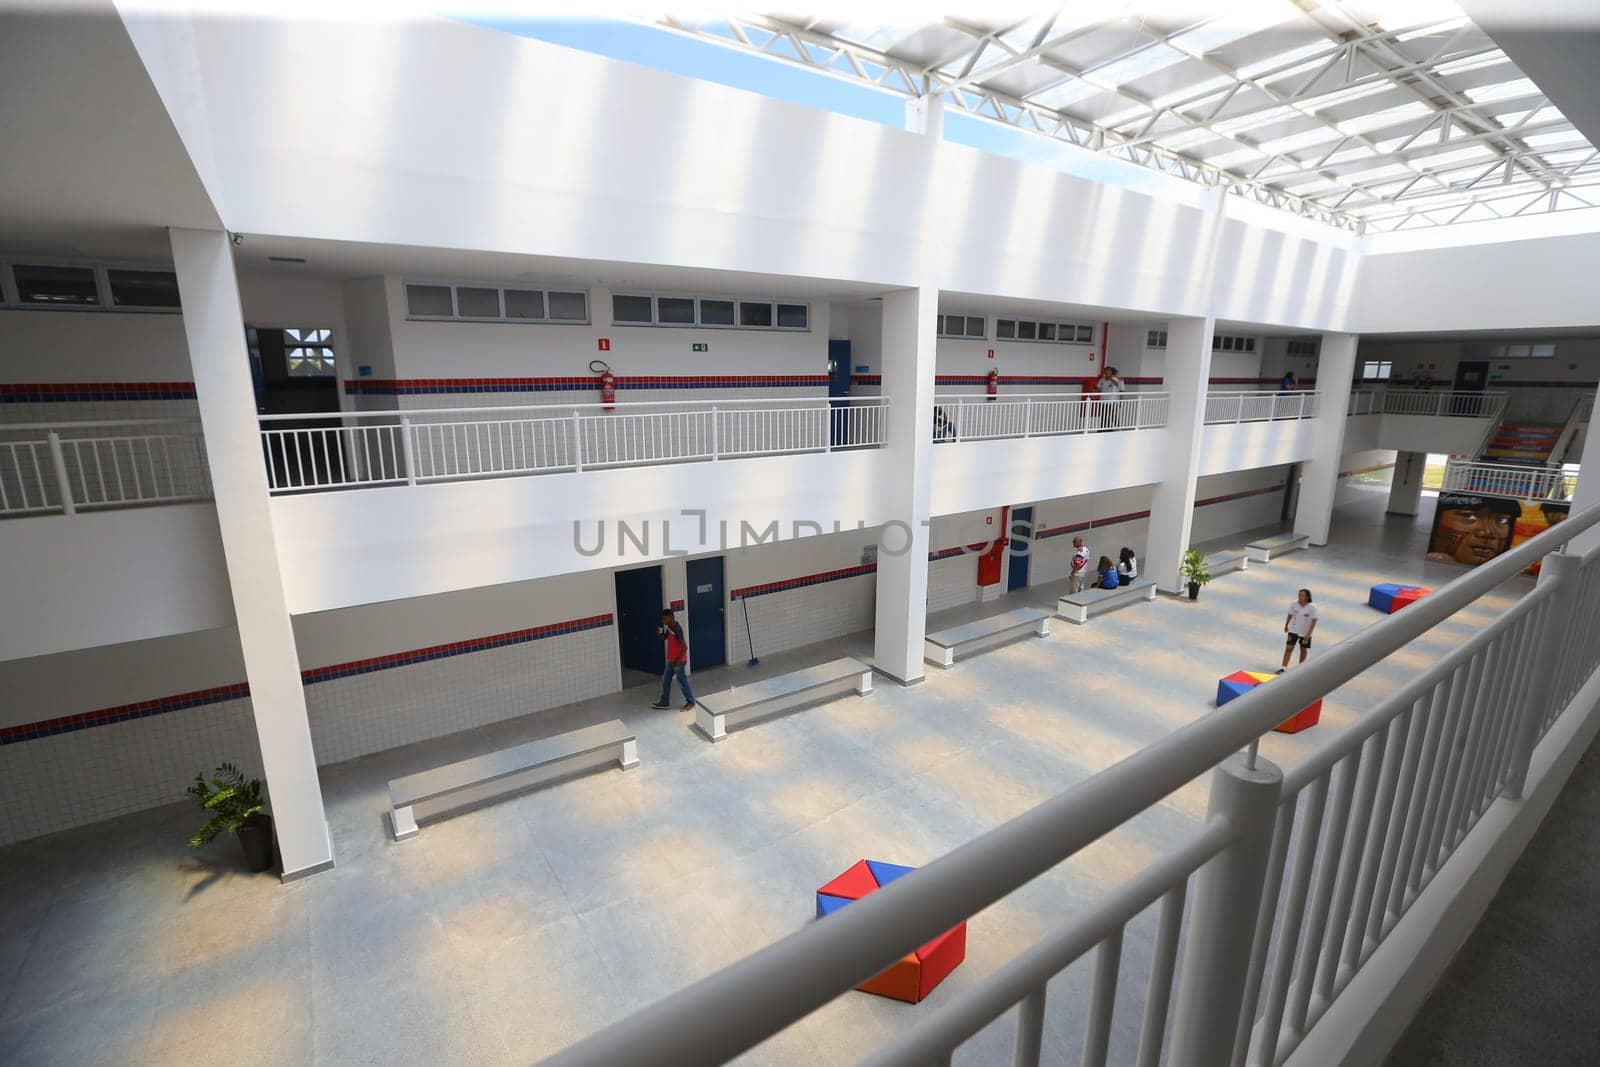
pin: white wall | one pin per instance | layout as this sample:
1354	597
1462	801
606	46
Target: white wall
1256	501
976	475
1249	445
598	182
100	578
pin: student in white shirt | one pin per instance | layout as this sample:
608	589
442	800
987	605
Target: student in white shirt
1127	566
1110	387
1301	621
1078	578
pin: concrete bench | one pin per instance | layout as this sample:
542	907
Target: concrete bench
770	696
1263	550
1229	559
1077	607
940	649
494	775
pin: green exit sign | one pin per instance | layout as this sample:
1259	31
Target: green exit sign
701	346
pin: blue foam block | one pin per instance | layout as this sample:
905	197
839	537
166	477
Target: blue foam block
827	904
884	873
1227	690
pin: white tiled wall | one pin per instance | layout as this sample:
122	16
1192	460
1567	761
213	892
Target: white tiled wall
1212	521
367	713
56	783
952	581
794	618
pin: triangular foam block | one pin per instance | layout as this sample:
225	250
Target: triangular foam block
939	957
828	904
1261	676
902	981
885	873
853	884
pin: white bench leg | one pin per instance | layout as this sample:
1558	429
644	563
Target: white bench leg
1075	613
404	823
709	723
1149	593
938	655
1043	629
864	683
630	755
1244	563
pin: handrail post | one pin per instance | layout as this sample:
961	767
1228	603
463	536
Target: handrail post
1027	417
714	444
577	441
409	444
58	459
1228	892
1561	571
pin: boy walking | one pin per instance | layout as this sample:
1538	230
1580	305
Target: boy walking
677	662
1301	621
1078	578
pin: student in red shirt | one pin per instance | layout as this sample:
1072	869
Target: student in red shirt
677	662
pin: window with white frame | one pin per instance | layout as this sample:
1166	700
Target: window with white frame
1376	370
1523	350
487	302
309	352
1052	330
1156	338
79	286
964	326
716	312
1301	348
1228	342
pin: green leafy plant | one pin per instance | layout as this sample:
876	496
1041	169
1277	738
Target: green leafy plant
230	800
1194	568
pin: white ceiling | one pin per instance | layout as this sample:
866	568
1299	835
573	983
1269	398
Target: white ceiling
90	164
1374	115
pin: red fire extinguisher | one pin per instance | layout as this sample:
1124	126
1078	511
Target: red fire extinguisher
608	383
992	384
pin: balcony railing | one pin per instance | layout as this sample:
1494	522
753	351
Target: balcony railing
984	418
1493	479
355	449
1228	407
70	467
1298	876
1447	403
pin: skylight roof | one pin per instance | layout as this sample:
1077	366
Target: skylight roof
1367	114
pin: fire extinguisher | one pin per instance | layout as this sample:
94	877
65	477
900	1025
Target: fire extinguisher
608	383
992	383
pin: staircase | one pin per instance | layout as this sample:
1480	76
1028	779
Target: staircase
1522	444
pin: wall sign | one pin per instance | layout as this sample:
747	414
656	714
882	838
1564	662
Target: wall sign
701	346
605	344
862	368
364	371
991	353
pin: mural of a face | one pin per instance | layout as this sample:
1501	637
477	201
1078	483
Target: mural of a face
1471	534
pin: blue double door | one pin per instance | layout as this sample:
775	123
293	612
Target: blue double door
639	604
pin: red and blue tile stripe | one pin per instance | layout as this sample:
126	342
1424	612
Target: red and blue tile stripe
12	735
70	392
785	584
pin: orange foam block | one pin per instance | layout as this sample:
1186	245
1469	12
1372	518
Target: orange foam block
914	975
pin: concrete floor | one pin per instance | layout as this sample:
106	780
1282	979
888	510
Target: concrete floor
505	933
1522	989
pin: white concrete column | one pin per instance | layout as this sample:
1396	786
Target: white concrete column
925	114
1586	494
214	325
1186	379
1319	475
909	330
1405	488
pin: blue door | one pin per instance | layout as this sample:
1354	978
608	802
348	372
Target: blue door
639	607
838	388
1021	546
707	629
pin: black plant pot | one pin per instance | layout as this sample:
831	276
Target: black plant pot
255	837
1194	590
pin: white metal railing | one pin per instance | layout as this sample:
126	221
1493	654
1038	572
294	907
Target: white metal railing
1299	875
1365	402
354	449
1578	416
1252	406
1494	479
1443	403
968	417
74	466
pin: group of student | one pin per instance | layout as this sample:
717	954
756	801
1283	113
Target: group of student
1108	575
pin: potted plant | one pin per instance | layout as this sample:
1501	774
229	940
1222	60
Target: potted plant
234	805
1194	572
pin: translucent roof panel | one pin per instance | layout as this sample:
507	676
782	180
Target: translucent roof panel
1367	114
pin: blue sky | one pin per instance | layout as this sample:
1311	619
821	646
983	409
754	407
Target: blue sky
680	54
